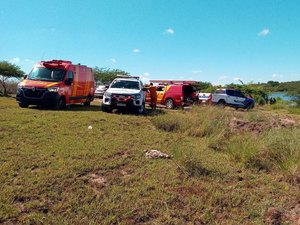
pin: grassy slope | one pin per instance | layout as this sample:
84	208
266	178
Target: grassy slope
50	158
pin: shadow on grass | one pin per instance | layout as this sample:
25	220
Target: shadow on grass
97	108
68	108
148	112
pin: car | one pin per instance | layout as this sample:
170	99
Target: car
233	98
125	93
99	91
204	98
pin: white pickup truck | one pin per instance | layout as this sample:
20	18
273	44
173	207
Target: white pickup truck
232	97
125	93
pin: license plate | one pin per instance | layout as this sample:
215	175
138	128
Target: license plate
121	104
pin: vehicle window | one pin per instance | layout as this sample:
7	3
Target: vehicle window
239	94
220	92
70	75
230	92
125	84
160	88
47	74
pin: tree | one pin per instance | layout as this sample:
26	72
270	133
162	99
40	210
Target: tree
106	76
203	86
7	72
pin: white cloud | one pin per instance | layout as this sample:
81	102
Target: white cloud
136	50
196	71
146	74
274	75
264	32
170	31
113	60
15	60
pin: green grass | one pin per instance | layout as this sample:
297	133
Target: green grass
50	158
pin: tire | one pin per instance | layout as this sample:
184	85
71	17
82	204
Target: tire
60	104
221	103
141	110
169	103
88	101
23	105
249	106
107	109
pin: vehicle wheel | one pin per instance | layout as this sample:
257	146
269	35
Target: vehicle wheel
106	108
169	104
23	105
250	106
221	103
88	101
141	110
60	104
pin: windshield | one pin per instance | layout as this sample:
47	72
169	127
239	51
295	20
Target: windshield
47	74
125	84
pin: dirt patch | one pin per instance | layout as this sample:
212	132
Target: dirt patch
126	173
274	216
239	125
97	181
292	216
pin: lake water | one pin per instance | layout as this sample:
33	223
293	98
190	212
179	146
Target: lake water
282	95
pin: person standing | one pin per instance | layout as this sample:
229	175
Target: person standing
153	96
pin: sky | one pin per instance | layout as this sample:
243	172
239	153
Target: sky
213	41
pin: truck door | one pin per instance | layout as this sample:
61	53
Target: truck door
231	99
70	86
160	93
240	99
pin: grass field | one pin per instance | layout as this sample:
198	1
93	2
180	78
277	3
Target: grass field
54	170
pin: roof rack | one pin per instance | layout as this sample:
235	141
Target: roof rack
127	76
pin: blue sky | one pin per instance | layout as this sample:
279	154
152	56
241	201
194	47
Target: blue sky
219	41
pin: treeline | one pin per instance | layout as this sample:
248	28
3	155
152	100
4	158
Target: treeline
275	86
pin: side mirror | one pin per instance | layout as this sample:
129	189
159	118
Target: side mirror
106	86
144	89
68	81
25	76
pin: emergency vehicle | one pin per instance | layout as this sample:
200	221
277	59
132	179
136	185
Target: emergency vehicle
56	83
174	93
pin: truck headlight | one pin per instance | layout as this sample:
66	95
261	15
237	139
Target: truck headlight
137	96
20	86
107	94
53	89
